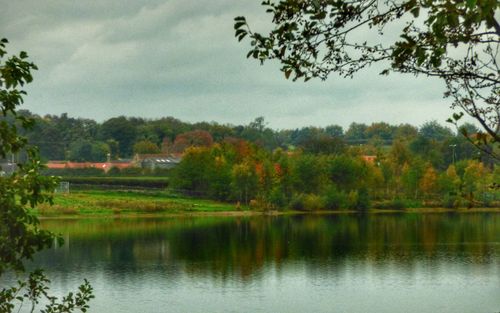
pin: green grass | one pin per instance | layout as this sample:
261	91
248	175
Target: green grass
101	202
112	202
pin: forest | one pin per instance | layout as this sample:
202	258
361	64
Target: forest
310	168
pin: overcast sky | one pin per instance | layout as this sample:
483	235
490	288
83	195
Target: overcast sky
100	59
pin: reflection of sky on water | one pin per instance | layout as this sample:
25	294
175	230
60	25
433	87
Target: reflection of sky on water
383	264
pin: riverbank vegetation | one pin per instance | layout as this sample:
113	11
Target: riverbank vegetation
379	166
128	203
346	180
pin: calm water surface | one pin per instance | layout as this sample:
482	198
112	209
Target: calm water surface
341	263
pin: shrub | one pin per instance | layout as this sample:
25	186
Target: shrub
88	171
359	199
297	202
277	198
335	199
313	202
451	201
132	171
363	203
114	171
142	182
352	199
397	204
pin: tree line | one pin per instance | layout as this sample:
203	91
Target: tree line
78	139
249	174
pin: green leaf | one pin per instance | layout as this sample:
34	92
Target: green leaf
240	38
471	4
238	25
239	32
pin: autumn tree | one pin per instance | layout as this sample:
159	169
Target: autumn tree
195	138
428	182
449	187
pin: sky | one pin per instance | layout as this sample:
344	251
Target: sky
101	59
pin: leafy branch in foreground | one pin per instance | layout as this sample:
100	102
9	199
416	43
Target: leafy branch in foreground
456	41
20	236
35	289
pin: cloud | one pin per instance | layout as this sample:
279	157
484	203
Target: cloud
100	59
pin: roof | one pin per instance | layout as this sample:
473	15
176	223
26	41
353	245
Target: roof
140	157
369	158
75	165
162	160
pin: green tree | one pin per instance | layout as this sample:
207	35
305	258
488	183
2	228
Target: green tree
456	41
20	236
146	147
474	183
347	173
219	173
85	150
244	180
123	131
356	133
405	132
308	173
334	131
191	175
381	130
411	175
433	130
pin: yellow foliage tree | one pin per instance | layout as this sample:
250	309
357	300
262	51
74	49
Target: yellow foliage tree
428	183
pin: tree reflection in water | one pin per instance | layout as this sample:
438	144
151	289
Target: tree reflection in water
229	247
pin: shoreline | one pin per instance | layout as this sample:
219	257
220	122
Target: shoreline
119	204
253	213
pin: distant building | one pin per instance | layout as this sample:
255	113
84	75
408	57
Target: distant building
8	165
370	158
156	161
106	166
7	168
160	163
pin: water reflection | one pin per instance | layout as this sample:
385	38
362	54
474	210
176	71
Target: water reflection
263	262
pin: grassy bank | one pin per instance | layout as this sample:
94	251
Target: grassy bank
110	203
102	202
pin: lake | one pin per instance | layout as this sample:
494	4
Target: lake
307	263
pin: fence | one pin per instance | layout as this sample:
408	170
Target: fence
63	187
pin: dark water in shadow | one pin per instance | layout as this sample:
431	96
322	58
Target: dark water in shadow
341	263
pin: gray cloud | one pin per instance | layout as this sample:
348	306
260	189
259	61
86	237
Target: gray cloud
100	59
